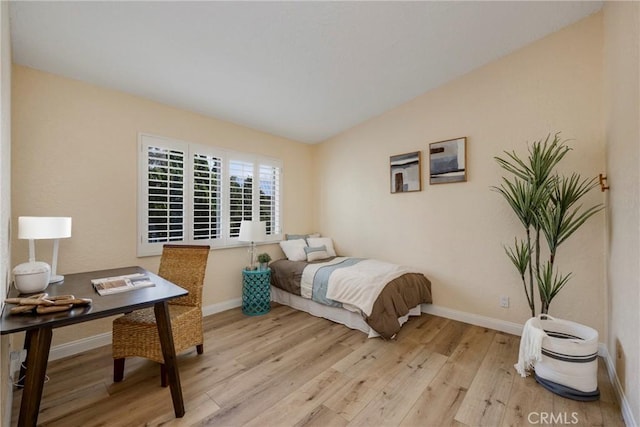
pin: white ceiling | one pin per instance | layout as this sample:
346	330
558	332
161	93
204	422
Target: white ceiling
302	70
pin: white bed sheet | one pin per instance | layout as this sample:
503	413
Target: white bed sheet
339	315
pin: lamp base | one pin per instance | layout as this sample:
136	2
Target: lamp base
31	277
56	279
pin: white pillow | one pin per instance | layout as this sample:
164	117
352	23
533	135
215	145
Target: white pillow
316	253
319	241
294	249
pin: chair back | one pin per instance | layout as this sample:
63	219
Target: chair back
185	266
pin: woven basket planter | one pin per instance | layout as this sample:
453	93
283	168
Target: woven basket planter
569	364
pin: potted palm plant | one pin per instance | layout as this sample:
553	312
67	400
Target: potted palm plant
545	204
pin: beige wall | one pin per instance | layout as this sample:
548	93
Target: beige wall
5	202
75	154
622	133
454	232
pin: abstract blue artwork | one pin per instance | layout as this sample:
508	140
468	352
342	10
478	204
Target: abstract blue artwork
447	161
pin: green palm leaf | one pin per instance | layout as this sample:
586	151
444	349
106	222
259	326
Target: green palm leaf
520	255
559	220
549	284
548	203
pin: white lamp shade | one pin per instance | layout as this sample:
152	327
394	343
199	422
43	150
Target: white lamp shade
252	231
44	227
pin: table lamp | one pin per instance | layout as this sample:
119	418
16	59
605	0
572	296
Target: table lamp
36	228
252	231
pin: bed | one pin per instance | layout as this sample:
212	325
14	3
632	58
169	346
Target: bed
372	296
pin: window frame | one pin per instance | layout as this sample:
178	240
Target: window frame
145	140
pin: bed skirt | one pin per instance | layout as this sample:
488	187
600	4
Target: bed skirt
343	316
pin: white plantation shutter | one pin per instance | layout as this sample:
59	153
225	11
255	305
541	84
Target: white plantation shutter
269	203
207	197
166	195
240	194
194	194
162	192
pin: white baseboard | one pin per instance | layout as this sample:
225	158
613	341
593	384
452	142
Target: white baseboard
79	346
474	319
85	344
221	306
627	414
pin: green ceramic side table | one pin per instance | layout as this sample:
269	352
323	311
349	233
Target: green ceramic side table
256	292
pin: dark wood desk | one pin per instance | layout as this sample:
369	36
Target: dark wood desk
39	328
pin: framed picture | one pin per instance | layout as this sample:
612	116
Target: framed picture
448	161
406	174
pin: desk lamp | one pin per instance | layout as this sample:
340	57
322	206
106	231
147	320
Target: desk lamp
36	228
252	231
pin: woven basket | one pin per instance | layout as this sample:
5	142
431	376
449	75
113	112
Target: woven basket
569	365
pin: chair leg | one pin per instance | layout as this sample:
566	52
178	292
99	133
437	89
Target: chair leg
164	377
118	370
200	348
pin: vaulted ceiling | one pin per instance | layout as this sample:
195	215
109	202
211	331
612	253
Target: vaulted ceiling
302	70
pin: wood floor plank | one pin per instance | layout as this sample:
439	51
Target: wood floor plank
448	338
370	350
135	408
298	406
281	345
439	402
464	362
205	372
485	401
234	340
245	398
378	362
322	417
391	405
197	408
351	399
423	329
436	406
248	381
80	397
265	370
371	368
569	411
528	400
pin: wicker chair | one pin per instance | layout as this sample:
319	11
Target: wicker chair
136	333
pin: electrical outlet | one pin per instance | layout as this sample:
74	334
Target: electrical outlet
504	301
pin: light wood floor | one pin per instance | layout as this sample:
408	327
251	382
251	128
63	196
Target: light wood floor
288	368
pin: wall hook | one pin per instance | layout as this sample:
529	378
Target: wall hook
603	178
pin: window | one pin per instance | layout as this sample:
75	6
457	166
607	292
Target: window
197	194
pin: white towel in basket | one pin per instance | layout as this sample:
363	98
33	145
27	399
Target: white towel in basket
530	347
